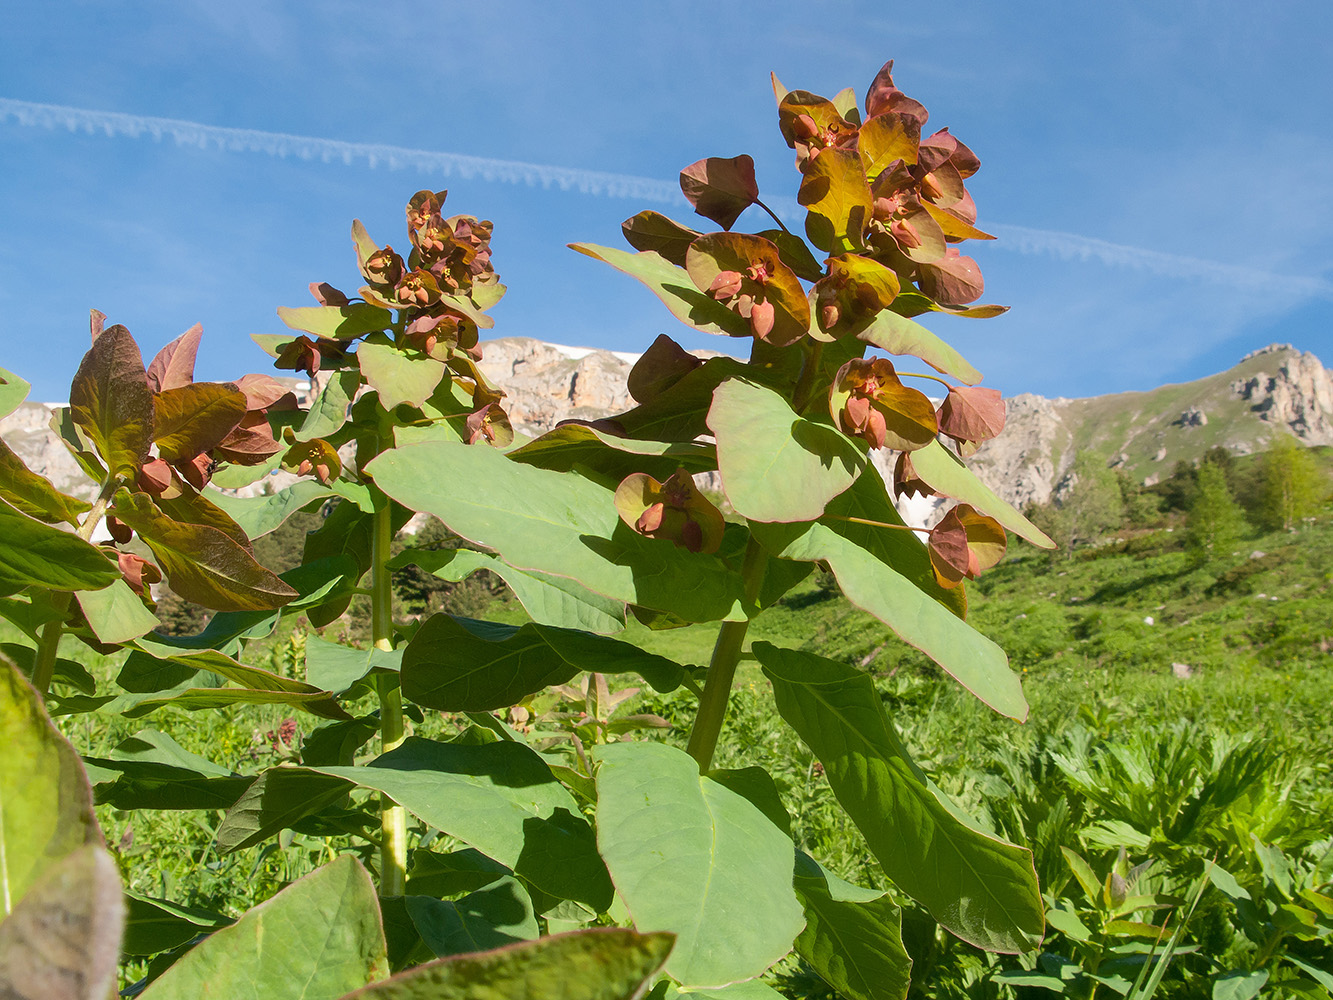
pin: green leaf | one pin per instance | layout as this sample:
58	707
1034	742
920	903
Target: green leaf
277	951
1239	985
259	515
110	401
34	554
979	887
1083	872
679	413
692	857
500	798
498	914
334	667
555	523
337	322
203	564
673	286
328	412
738	253
757	786
852	936
1063	918
33	494
257	686
899	335
837	198
459	665
776	466
153	926
195	418
79	444
153	771
47	805
577	445
63	939
600	964
398	376
948	475
1322	976
867	579
750	989
13	391
548	599
441	875
70	672
653	231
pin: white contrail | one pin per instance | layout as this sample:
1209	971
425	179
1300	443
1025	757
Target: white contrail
244	140
1021	239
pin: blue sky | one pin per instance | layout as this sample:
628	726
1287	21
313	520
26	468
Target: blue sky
1159	174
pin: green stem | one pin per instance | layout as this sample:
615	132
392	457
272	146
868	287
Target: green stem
774	216
48	648
814	349
722	667
933	378
393	818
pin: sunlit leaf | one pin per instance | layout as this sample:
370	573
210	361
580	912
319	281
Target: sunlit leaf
979	887
692	857
173	366
653	231
720	188
277	950
33	553
899	335
604	963
33	494
949	476
62	940
337	322
762	279
195	418
14	390
775	465
48	806
886	138
116	613
835	193
202	563
110	401
673	286
396	375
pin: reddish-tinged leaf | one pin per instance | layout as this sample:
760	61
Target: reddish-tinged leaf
906	483
952	226
264	391
883	97
202	564
949	554
251	443
187	506
868	400
972	413
885	139
835	191
111	402
337	322
174	365
136	571
854	291
674	510
315	457
965	544
326	295
659	368
954	281
653	231
799	110
766	280
720	189
195	418
96	323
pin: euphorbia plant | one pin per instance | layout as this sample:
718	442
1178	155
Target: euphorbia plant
596	521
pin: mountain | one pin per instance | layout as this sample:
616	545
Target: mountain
1272	391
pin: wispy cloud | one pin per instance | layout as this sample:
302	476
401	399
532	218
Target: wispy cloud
1021	239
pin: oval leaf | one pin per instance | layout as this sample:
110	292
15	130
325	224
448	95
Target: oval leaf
111	402
692	857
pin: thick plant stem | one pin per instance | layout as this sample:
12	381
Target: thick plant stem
722	667
393	818
44	661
